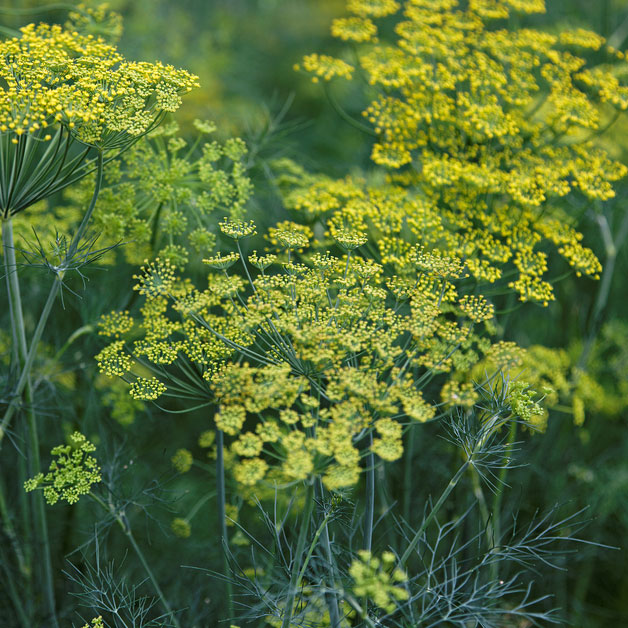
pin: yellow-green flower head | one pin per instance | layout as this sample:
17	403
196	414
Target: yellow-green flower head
98	21
181	528
238	229
480	128
61	88
378	579
71	474
57	75
182	460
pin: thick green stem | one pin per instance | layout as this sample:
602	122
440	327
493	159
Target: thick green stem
296	563
30	358
330	597
19	340
499	493
222	515
417	537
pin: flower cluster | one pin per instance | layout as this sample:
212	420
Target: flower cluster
314	358
601	388
71	474
53	75
378	579
482	130
99	21
182	460
64	91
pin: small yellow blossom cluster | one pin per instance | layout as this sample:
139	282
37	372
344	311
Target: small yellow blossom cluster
354	29
602	388
290	235
182	460
156	278
65	90
53	75
477	308
99	21
71	474
237	229
147	389
480	129
373	8
181	528
378	580
462	395
113	360
521	400
317	351
114	324
325	67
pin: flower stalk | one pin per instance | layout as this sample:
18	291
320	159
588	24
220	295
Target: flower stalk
18	330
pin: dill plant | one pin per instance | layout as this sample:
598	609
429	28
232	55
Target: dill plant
482	130
310	363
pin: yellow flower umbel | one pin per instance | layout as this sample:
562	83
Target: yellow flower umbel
315	363
482	131
64	93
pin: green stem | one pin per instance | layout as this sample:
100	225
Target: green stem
308	556
369	515
296	569
499	493
19	339
613	246
331	598
52	295
417	537
30	358
23	561
81	331
484	512
151	575
361	611
199	504
13	594
222	515
9	530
